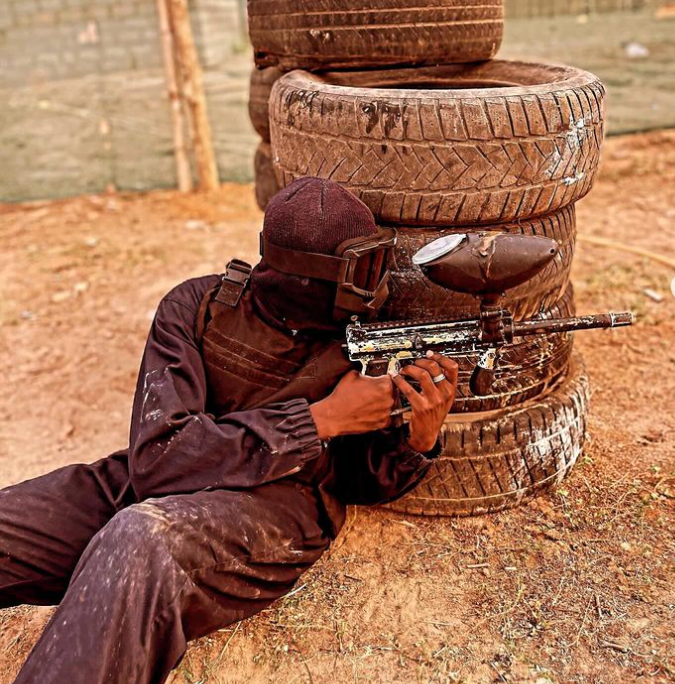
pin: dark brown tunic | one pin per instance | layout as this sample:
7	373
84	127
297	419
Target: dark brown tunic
203	418
221	501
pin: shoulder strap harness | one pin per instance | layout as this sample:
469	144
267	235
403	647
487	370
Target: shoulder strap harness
234	282
228	293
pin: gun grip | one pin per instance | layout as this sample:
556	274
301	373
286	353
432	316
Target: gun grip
483	376
376	369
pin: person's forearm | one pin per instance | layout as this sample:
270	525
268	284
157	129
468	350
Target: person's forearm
241	450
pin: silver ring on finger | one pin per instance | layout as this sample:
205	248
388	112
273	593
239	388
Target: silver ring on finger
438	379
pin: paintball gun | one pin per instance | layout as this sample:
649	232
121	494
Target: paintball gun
484	265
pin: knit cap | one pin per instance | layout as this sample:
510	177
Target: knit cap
310	215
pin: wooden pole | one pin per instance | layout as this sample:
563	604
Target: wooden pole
193	92
183	173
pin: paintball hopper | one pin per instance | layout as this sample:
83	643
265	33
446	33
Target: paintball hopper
485	264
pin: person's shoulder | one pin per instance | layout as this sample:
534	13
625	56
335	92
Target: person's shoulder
189	294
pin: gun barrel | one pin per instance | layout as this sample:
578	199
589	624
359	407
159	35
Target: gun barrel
553	325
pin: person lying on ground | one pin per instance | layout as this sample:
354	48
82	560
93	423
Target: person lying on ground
250	433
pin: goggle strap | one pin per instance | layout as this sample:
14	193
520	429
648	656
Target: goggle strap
303	264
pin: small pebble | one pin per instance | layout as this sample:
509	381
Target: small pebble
194	224
653	295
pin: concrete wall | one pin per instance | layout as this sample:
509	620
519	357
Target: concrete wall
44	40
220	29
111	127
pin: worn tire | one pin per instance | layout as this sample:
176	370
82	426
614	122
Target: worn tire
325	34
266	185
499	459
260	89
527	367
420	155
414	296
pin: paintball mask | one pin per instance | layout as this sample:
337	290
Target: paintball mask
358	268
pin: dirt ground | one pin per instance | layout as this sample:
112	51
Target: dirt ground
578	586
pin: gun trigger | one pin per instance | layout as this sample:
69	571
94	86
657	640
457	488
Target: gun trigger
483	376
489	359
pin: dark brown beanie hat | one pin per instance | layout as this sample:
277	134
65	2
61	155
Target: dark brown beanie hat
310	215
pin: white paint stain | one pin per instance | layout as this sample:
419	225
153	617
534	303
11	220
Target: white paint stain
571	180
148	383
576	133
553	167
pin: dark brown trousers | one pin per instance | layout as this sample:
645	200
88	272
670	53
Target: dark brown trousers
136	581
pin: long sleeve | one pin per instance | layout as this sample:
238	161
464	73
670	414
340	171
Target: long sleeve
377	467
175	447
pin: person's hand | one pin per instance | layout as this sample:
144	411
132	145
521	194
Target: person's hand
357	405
431	405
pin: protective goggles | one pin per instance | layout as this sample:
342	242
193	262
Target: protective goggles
359	268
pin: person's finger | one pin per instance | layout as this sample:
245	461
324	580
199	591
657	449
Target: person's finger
407	390
431	367
450	367
424	378
448	387
384	381
381	380
438	375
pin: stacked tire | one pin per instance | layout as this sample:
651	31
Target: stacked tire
433	149
346	34
266	184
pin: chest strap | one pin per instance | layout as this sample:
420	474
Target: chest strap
234	282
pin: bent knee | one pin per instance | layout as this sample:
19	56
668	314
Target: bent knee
139	526
137	534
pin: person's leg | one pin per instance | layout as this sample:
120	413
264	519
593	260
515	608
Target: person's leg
169	570
46	524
